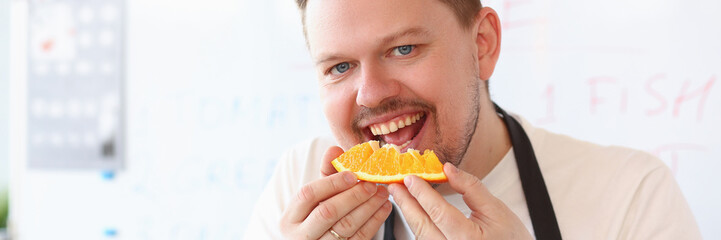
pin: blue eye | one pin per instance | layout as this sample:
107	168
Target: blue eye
403	50
340	68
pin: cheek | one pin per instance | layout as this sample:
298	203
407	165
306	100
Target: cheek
334	106
445	82
338	106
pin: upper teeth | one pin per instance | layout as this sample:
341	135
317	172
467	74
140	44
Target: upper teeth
392	126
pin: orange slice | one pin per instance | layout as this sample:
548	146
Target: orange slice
386	165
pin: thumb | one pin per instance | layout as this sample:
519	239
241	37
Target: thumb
326	168
475	194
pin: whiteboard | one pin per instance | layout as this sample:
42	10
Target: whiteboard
217	89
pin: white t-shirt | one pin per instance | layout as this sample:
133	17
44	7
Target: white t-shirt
598	192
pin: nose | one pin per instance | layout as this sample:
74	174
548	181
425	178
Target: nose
376	85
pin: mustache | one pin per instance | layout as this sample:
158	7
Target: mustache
389	106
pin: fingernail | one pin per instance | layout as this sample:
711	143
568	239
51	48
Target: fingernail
391	189
408	181
349	177
454	168
370	187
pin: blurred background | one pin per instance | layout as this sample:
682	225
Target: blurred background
158	119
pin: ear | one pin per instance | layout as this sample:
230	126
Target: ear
487	29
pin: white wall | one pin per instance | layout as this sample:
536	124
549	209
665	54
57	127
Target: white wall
217	89
4	90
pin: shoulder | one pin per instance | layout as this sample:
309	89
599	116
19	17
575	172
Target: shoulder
571	157
309	148
612	188
302	160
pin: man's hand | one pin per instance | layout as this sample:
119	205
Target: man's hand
337	201
431	217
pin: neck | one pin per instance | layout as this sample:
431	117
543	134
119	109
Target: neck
489	144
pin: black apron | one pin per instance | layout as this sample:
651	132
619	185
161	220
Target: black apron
539	204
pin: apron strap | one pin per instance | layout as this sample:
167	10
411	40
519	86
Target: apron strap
388	225
540	208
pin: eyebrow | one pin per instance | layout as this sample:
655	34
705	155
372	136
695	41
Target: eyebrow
414	31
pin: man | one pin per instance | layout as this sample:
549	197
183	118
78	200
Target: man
382	62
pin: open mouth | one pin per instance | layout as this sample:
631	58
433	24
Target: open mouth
402	131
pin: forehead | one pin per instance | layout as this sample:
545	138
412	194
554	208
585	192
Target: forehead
334	25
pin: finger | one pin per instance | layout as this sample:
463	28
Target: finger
326	168
329	236
370	228
447	218
417	219
330	211
312	193
349	224
487	209
475	194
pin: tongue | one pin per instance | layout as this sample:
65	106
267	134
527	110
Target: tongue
403	135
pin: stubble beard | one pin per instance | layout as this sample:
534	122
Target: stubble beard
455	150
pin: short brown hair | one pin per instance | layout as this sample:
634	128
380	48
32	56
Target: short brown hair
465	10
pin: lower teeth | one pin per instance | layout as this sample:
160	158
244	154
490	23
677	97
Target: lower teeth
383	143
405	144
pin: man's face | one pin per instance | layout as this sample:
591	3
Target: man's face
383	63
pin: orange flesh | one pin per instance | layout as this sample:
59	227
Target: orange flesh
387	165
